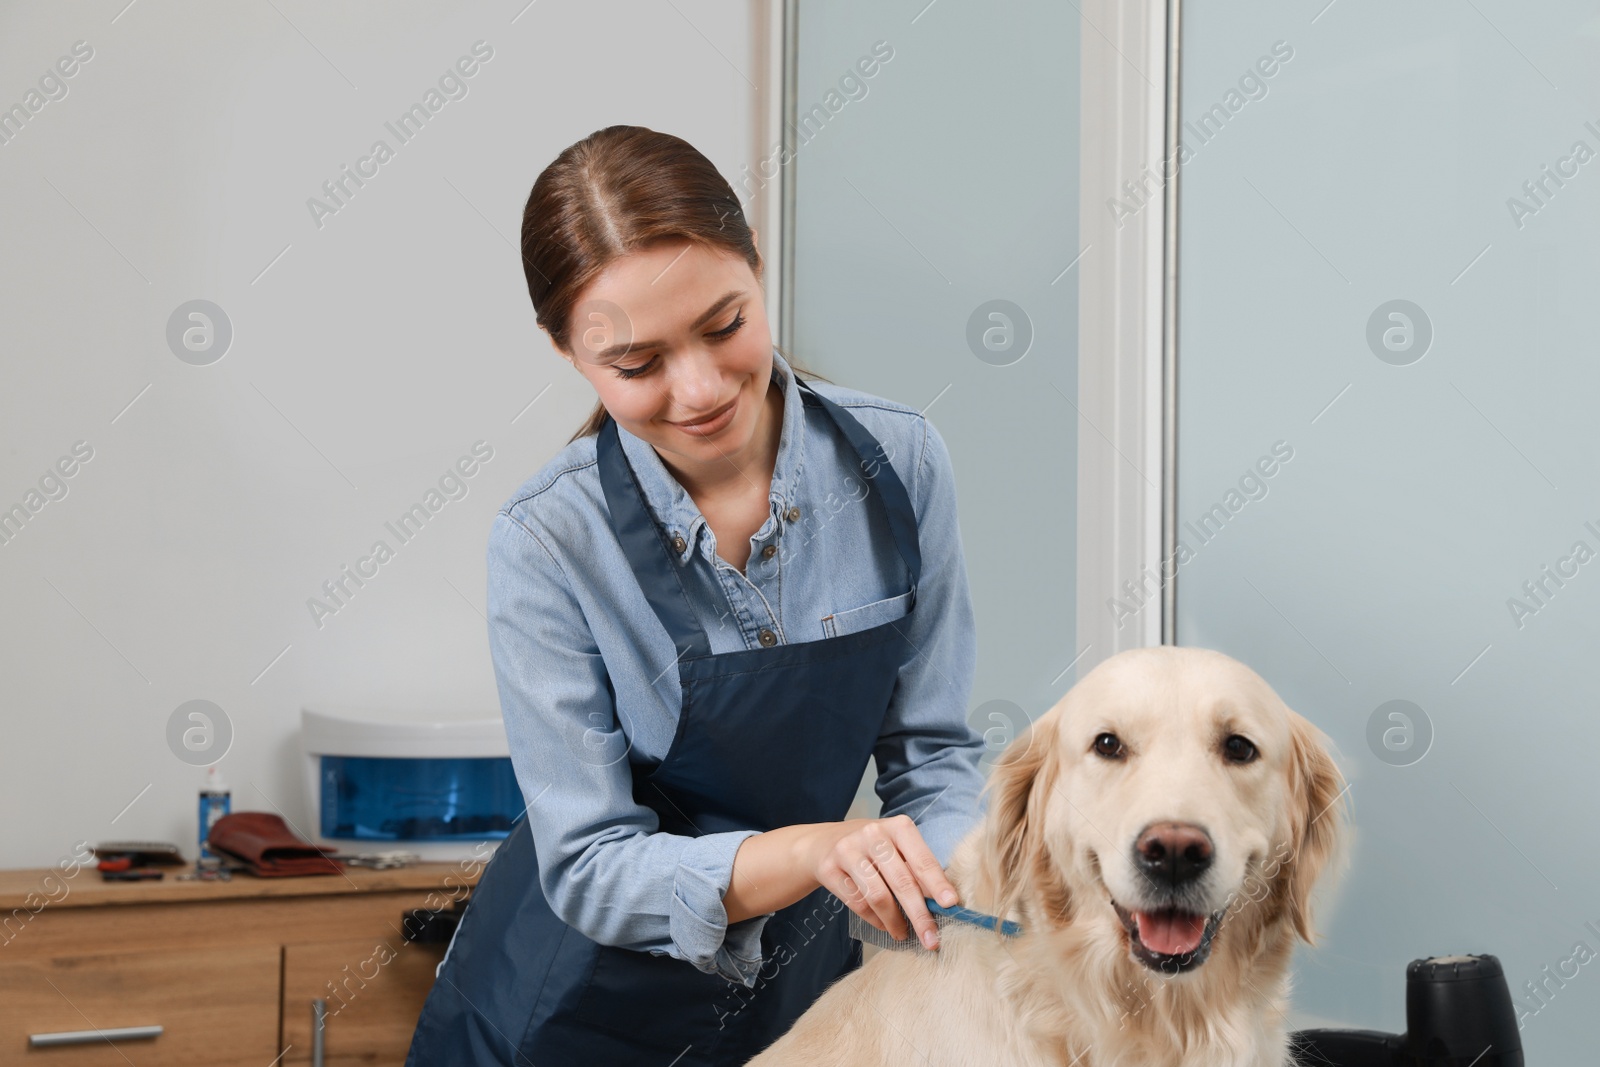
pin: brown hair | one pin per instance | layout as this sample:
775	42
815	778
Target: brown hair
610	194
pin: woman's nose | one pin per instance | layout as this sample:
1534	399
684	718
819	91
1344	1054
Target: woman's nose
696	381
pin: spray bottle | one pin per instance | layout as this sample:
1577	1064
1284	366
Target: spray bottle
215	802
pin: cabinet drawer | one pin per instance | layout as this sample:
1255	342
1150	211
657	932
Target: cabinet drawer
216	1007
374	989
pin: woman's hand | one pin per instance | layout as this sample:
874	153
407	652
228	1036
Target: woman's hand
872	863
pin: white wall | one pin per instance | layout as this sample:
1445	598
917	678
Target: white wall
368	354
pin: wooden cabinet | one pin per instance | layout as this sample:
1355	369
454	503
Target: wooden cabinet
216	999
227	970
372	990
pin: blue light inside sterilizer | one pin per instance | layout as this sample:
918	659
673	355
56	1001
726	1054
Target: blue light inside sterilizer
371	798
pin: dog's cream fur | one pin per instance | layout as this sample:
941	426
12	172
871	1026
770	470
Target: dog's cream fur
1056	846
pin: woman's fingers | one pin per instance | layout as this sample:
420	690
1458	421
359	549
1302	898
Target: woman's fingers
887	871
907	896
916	875
841	863
901	891
858	904
857	856
923	863
878	897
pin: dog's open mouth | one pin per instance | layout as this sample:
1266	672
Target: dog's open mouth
1170	941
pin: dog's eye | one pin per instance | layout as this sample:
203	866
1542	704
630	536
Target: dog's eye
1108	745
1239	749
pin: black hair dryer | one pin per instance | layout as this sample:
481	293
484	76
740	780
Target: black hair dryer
1458	1014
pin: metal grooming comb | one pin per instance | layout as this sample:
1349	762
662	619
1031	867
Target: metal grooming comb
868	934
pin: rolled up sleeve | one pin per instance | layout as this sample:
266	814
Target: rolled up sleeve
605	866
699	923
927	754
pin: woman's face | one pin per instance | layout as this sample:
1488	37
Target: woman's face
670	334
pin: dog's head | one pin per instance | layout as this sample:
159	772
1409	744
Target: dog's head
1172	787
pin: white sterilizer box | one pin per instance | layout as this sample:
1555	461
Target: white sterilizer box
431	784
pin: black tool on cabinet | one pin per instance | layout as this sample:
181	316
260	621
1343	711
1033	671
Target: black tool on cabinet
426	926
1458	1012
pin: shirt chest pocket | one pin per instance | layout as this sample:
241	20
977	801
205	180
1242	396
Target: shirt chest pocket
867	615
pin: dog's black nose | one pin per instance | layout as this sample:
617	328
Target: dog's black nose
1172	853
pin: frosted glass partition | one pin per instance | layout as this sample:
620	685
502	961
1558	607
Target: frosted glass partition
935	238
1388	272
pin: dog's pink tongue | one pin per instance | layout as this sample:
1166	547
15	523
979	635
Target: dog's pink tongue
1170	932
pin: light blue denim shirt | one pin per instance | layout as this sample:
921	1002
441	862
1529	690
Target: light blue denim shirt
588	679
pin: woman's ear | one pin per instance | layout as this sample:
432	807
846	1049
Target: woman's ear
1014	856
1318	827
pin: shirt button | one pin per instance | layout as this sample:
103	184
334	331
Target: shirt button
769	551
793	514
679	544
768	638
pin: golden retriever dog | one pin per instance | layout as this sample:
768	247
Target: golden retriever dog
1157	834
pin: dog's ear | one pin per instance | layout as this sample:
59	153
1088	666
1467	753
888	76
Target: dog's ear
1317	819
1014	844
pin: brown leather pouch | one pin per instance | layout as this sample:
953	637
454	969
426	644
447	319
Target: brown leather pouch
262	841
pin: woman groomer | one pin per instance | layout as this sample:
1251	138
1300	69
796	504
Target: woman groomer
726	593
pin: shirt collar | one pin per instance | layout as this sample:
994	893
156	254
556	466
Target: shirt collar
676	510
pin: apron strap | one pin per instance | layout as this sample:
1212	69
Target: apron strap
643	540
891	491
645	543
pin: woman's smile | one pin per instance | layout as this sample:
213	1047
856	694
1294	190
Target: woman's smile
712	423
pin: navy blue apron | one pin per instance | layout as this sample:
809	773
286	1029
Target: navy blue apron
766	737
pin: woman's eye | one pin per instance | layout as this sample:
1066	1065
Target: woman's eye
732	327
634	372
721	335
1239	749
1108	745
